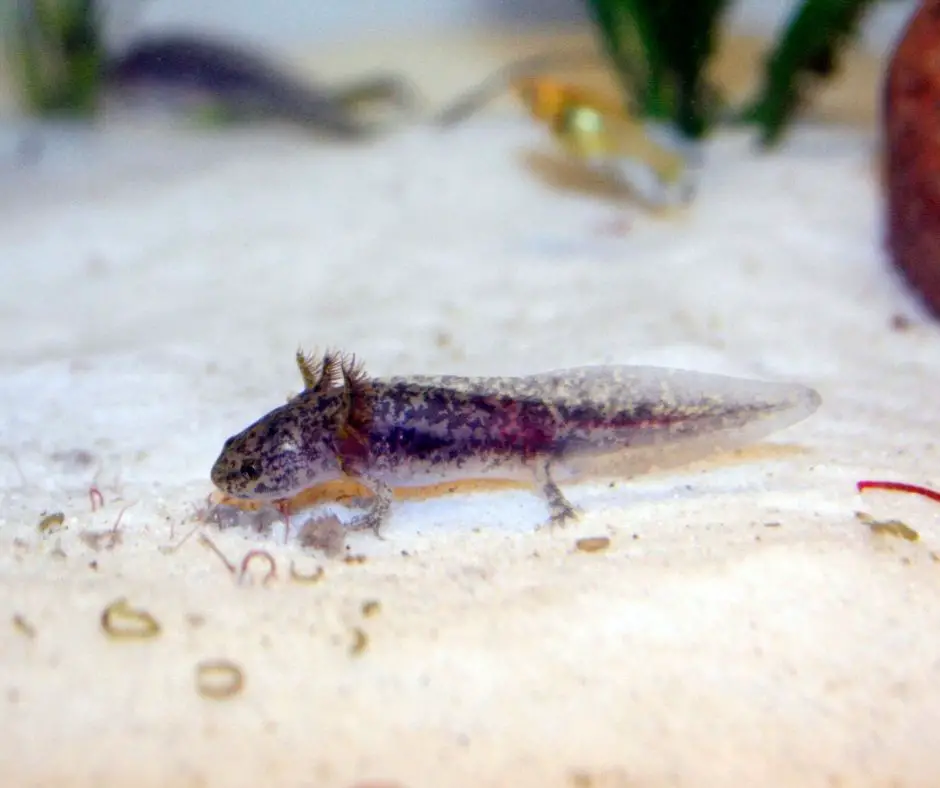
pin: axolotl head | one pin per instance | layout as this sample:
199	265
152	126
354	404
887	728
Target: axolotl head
283	453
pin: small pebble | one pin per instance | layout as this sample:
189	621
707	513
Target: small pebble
592	544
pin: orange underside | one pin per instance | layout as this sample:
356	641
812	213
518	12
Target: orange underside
345	490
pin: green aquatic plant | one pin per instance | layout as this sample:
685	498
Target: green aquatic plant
806	52
660	50
56	51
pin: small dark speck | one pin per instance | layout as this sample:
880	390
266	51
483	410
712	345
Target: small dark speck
30	149
901	323
405	554
360	641
636	536
96	266
73	458
21	625
773	524
581	779
93	565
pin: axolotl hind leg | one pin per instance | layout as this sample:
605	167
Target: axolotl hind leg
561	510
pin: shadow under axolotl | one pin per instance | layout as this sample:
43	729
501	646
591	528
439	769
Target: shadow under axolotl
346	491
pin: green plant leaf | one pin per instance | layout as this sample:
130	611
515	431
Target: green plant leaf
660	49
809	46
57	52
688	31
629	37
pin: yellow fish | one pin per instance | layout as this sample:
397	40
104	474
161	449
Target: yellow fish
593	128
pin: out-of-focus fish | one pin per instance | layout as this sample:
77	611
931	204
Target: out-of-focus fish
182	69
651	160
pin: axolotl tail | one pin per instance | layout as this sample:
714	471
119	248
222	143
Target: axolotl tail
654	418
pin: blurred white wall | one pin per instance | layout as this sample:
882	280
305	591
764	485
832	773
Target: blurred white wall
304	21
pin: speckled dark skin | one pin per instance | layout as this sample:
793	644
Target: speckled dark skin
418	430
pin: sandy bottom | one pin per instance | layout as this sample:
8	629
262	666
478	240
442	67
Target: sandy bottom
743	627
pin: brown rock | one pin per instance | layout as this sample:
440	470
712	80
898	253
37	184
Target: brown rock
912	153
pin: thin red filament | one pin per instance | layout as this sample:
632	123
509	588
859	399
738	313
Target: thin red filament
916	489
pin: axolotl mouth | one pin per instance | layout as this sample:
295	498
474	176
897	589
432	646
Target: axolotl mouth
232	476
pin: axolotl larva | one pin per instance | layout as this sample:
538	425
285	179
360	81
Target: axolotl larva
544	428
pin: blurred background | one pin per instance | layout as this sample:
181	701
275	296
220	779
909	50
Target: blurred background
62	53
299	21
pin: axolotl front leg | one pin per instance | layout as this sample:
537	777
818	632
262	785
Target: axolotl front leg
378	508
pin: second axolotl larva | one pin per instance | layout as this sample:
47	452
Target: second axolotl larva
544	428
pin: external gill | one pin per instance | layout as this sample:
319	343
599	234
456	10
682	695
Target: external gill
338	371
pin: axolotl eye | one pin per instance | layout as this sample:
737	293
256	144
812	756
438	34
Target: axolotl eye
250	471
